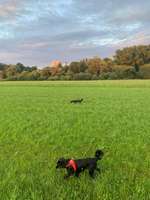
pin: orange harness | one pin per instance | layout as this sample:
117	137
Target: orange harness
72	164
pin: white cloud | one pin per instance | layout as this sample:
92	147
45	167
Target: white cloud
40	31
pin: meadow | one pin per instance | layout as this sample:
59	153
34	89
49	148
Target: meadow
38	125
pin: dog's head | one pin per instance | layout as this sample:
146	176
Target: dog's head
99	154
61	163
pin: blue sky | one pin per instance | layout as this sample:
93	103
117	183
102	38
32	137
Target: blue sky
35	32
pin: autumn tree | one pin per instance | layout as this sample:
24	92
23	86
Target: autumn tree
10	71
108	64
2	76
2	66
55	68
19	67
45	72
95	65
83	66
64	69
135	56
74	67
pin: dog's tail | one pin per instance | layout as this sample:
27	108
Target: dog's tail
99	154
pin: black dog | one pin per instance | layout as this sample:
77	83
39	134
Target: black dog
76	101
75	167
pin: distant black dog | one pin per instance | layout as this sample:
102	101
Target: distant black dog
75	167
76	101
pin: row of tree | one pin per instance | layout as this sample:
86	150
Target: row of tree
126	64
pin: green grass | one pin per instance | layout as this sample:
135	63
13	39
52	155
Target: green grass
38	125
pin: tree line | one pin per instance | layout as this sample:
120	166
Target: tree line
127	63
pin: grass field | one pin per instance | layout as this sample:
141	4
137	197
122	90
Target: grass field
38	125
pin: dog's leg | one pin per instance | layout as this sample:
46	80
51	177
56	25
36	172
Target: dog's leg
69	173
77	174
91	171
66	176
98	169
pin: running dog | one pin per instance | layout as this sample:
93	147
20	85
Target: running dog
75	167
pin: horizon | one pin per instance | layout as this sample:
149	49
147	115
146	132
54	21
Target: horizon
37	32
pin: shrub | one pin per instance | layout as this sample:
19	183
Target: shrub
95	77
82	76
53	78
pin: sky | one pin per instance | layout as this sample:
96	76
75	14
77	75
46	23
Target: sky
36	32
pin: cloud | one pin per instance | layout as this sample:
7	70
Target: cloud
8	8
36	32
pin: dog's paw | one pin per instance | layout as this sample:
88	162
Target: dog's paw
66	177
77	175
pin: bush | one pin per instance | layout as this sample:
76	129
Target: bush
145	70
95	77
82	76
66	77
13	78
104	76
53	78
113	76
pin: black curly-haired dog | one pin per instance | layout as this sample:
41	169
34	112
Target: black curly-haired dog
76	101
75	167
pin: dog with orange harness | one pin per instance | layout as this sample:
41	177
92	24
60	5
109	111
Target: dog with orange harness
75	167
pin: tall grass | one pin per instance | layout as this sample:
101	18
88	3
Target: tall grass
38	125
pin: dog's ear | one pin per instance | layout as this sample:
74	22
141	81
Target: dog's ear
99	154
60	163
61	159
